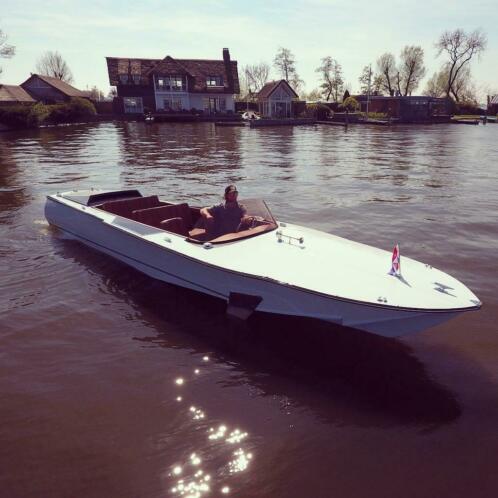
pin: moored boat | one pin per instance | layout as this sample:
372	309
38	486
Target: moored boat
269	266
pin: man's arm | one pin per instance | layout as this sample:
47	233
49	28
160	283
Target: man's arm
206	214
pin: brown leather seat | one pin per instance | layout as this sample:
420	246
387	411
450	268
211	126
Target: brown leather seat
154	216
198	234
125	207
175	225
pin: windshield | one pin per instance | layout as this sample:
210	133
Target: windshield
258	209
262	221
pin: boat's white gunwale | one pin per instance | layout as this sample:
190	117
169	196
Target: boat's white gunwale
246	275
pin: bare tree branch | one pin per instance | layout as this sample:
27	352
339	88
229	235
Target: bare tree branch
411	69
52	64
386	66
332	80
6	51
285	63
257	76
460	48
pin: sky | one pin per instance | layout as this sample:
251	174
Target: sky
355	33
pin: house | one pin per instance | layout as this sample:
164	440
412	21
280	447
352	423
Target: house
275	100
174	84
51	90
14	95
492	104
406	109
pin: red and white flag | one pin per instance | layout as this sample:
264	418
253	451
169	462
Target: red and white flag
396	262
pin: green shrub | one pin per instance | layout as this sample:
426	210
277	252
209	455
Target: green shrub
317	111
59	113
23	116
351	104
81	108
377	115
76	109
37	114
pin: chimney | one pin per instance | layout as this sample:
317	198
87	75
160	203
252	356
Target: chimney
228	67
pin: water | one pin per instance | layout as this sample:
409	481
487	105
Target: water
92	352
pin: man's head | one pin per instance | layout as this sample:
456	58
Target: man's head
231	193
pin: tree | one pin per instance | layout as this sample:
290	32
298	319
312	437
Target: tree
256	76
332	80
297	83
460	48
6	51
351	104
463	88
411	69
314	95
436	85
96	95
365	80
386	67
112	93
285	63
52	64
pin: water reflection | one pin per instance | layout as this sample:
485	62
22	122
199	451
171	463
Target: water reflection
176	154
13	192
371	371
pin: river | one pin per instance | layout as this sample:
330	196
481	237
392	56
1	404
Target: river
115	385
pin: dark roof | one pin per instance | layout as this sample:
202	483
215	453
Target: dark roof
58	84
14	93
195	69
168	66
271	86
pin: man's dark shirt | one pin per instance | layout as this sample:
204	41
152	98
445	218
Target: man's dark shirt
226	219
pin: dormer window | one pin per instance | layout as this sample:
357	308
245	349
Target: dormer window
123	78
214	81
171	83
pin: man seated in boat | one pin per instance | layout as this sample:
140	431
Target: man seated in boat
227	217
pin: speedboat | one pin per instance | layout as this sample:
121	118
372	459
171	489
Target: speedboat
268	266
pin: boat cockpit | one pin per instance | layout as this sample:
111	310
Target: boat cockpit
180	219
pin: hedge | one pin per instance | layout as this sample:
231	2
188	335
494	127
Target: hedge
23	116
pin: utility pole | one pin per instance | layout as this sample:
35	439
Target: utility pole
368	90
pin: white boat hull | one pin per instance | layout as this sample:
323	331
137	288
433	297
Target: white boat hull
123	240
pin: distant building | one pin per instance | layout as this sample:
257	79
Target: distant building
406	109
13	95
276	99
51	90
174	84
492	104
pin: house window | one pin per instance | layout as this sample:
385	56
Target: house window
214	81
136	79
123	78
222	104
172	104
177	83
133	105
171	83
